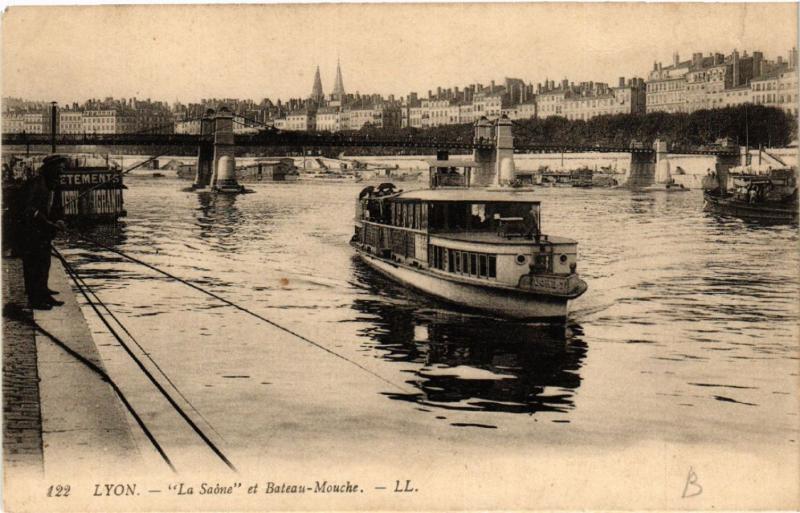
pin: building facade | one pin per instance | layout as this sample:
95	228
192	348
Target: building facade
718	81
13	122
777	89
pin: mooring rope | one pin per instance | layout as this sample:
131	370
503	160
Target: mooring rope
142	349
105	377
240	308
142	367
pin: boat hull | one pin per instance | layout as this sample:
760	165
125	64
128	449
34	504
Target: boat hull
519	305
664	188
736	208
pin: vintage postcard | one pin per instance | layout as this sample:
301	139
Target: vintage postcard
383	257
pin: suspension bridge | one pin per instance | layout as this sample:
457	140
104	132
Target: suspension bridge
269	137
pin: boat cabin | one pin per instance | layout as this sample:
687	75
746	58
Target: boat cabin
774	185
469	234
450	173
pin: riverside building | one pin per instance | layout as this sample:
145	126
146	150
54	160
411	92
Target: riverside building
717	81
589	99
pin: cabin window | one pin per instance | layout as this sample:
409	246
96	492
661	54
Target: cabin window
477	265
481	217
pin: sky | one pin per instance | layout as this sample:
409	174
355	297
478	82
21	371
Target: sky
180	52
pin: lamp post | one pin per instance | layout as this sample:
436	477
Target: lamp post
53	116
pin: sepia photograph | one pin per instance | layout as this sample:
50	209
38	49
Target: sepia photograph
400	257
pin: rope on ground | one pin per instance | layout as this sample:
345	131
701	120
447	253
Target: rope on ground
142	367
242	309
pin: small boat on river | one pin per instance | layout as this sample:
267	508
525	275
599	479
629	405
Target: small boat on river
765	195
476	247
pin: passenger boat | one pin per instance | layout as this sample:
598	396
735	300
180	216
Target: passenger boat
764	195
480	248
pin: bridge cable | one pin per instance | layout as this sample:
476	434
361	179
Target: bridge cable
240	308
144	352
105	377
252	121
142	367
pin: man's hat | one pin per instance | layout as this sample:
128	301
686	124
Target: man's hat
52	160
50	164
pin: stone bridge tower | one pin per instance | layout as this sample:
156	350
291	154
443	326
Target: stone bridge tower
216	141
205	152
223	140
495	165
505	171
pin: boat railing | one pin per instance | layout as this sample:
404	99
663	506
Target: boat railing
397	240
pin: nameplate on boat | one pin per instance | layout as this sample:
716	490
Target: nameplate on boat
73	179
550	283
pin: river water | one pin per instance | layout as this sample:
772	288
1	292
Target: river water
688	333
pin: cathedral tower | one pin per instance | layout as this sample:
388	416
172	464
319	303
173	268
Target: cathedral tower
316	92
338	87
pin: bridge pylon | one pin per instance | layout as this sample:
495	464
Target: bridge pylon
495	163
223	140
642	166
205	152
504	172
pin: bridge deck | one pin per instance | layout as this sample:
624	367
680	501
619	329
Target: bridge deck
314	140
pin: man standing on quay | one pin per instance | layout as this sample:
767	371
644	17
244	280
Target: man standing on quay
40	227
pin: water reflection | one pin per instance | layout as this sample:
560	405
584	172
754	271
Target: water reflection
219	218
473	363
107	233
86	253
641	203
218	209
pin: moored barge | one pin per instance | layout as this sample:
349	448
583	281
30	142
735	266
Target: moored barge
760	195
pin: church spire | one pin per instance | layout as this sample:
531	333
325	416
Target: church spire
316	92
338	87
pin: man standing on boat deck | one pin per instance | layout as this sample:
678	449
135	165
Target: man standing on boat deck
531	223
41	225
